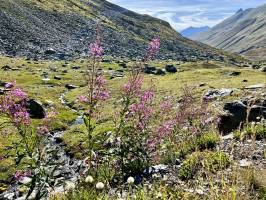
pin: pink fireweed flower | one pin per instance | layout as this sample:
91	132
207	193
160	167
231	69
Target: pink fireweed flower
154	45
19	93
133	86
101	95
153	48
147	96
152	143
166	128
19	175
166	106
96	50
10	84
13	104
22	117
100	81
82	99
142	111
43	130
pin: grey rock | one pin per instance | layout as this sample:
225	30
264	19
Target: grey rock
257	86
9	196
149	69
160	72
71	86
263	69
35	109
236	114
217	93
49	51
245	163
171	68
76	67
6	68
57	77
234	73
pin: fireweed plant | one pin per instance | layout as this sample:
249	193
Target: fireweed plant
96	94
136	137
143	125
29	149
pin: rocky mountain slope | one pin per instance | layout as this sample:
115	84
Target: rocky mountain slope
45	29
191	32
243	33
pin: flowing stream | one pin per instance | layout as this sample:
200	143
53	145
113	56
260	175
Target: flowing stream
64	170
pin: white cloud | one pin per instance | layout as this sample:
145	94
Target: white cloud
185	13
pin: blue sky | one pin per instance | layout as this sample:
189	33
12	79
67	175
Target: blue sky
185	13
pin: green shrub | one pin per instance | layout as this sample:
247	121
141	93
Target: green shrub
191	144
207	141
207	160
257	130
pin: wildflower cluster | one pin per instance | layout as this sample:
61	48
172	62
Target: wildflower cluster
20	175
14	105
96	49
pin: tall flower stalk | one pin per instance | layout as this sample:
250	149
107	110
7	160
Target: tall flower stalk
134	117
96	91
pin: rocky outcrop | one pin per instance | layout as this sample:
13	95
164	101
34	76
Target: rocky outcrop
239	112
63	29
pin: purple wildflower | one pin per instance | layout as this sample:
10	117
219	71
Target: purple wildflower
43	130
82	99
96	50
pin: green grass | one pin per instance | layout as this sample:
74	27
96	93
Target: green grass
207	161
193	74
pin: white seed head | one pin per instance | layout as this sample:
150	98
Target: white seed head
99	186
89	179
159	195
70	185
130	180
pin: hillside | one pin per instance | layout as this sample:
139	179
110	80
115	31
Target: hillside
243	33
45	29
191	32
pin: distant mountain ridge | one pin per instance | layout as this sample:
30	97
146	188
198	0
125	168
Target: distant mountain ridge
191	32
243	33
45	29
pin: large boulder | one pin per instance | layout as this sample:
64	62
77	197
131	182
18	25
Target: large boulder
236	114
171	68
160	72
35	109
149	69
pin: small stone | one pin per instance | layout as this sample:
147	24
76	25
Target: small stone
57	78
199	191
245	163
217	93
228	137
71	87
257	86
25	180
9	196
235	73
